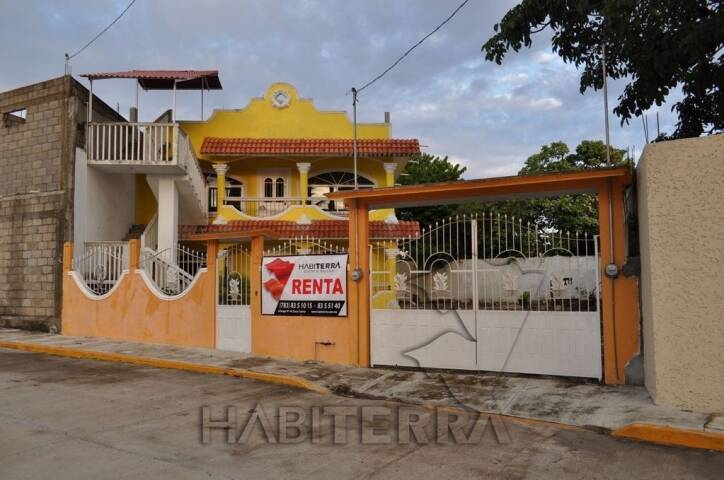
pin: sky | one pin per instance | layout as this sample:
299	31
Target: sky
486	117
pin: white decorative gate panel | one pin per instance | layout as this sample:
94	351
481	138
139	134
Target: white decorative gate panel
549	343
423	338
487	293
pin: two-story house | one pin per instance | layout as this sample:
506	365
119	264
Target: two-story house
267	165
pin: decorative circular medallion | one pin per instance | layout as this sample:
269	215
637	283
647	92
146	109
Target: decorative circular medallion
280	98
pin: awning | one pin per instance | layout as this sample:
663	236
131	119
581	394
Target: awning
164	79
386	147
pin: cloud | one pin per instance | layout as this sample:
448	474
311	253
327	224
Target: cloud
488	117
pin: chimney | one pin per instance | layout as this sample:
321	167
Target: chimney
387	117
133	115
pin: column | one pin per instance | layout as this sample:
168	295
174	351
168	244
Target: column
168	217
303	168
390	169
220	169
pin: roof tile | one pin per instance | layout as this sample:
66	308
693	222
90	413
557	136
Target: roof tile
309	146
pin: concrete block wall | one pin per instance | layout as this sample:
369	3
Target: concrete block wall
36	191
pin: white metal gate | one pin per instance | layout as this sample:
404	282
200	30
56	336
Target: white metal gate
233	311
488	293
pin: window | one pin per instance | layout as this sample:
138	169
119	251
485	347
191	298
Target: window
274	188
329	182
16	117
234	192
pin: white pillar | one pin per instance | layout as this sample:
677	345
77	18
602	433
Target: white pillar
168	217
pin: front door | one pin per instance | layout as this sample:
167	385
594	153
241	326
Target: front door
233	311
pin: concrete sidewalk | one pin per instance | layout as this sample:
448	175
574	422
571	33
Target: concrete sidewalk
620	410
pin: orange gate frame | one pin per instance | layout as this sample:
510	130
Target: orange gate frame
619	296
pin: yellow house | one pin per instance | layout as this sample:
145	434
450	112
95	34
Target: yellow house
276	158
177	214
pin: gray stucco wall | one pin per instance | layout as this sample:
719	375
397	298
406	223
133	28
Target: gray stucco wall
681	218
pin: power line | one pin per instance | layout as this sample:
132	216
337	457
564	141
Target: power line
413	47
68	57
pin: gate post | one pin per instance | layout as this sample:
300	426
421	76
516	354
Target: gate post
358	308
619	295
257	254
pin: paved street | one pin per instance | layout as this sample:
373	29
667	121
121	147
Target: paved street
75	419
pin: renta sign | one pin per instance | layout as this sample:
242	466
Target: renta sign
314	285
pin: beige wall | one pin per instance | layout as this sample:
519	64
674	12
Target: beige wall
681	218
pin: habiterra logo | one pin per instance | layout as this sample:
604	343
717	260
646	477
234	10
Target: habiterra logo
281	269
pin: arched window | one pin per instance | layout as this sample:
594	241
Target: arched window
268	187
234	192
323	183
280	187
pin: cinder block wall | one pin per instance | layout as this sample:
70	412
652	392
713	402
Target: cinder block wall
681	219
36	192
31	204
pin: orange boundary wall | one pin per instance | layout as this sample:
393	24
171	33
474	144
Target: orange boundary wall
133	312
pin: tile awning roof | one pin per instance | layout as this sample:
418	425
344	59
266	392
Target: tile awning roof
309	146
323	229
163	79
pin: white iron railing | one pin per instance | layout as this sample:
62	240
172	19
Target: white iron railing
172	270
101	265
268	207
306	246
187	160
132	143
488	262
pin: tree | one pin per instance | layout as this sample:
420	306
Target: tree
427	168
656	44
567	213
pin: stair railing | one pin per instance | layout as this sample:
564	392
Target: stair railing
172	270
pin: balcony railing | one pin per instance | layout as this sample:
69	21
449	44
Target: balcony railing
268	207
133	143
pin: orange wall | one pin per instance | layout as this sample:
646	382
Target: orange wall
295	337
133	312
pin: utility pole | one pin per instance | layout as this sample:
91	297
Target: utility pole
354	135
605	105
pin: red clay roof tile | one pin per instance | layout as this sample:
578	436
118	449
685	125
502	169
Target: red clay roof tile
309	146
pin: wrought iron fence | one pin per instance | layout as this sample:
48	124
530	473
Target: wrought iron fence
172	270
306	246
234	276
487	262
101	265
